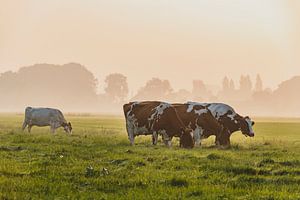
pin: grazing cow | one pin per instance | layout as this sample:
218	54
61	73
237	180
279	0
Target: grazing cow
229	119
153	118
45	117
200	119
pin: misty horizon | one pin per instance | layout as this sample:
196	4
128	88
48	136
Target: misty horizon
73	88
213	86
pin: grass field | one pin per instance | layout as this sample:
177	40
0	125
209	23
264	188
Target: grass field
97	162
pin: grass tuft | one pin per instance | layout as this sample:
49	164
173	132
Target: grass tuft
178	182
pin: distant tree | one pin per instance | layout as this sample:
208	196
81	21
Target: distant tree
228	89
155	89
200	91
245	83
116	87
225	84
231	85
198	87
70	86
181	95
258	84
287	95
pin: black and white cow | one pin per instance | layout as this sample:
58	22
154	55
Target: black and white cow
45	117
229	119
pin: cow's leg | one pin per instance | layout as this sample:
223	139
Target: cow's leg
197	135
130	132
52	127
217	141
24	125
168	142
29	128
131	139
167	139
154	138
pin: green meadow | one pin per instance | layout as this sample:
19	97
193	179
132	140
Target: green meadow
97	162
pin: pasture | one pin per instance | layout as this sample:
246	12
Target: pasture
97	162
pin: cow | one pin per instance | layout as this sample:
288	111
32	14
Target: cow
230	120
153	118
45	117
200	119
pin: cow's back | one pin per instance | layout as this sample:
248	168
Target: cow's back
194	115
185	116
141	111
44	116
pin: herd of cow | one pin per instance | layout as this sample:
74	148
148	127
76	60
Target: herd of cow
190	121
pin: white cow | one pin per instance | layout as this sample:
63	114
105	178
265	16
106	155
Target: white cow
45	117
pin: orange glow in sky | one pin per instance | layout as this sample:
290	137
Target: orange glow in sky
175	40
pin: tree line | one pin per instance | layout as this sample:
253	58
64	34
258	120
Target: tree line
74	88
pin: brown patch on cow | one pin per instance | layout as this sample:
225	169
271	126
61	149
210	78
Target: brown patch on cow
206	120
187	140
145	116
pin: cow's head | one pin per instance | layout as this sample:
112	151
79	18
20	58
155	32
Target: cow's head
67	127
246	126
187	138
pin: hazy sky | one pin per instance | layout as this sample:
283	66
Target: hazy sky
172	39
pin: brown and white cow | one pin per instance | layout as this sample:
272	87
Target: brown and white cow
153	118
200	119
230	120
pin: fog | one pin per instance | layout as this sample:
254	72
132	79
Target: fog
73	88
186	48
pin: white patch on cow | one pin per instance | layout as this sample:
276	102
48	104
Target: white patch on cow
249	122
198	132
158	111
217	109
201	111
191	107
131	107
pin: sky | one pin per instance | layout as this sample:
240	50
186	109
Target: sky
170	39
